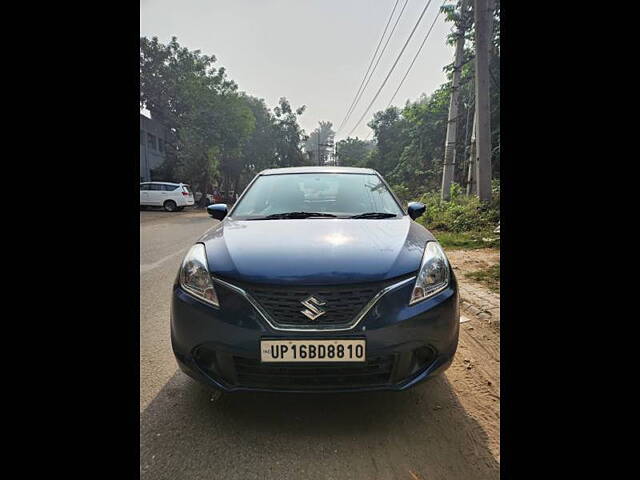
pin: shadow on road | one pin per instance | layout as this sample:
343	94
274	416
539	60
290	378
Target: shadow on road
422	433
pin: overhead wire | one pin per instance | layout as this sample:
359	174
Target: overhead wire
365	80
370	63
416	55
413	61
392	68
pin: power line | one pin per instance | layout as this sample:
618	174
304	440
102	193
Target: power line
361	90
412	61
417	53
370	63
392	67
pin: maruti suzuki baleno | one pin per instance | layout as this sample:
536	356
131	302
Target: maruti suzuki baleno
316	280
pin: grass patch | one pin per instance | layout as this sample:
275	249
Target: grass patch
462	222
488	276
467	240
460	214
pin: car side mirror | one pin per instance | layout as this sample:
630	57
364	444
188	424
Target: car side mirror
415	209
218	210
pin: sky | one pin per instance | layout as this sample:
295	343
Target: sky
314	52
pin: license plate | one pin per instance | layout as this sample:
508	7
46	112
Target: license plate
312	350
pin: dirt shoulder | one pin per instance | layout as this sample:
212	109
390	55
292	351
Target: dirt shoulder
475	372
475	298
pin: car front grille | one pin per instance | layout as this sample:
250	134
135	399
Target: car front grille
341	302
252	373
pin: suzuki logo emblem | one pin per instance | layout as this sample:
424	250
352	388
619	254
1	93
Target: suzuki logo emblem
313	310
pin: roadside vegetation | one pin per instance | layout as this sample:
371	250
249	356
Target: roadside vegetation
463	221
489	277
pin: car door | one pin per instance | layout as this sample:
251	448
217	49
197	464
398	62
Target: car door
144	194
157	194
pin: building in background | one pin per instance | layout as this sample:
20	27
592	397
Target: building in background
152	147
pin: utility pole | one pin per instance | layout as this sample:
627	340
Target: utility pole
482	17
473	161
323	145
467	139
449	164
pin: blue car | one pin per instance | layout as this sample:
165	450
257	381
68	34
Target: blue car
316	280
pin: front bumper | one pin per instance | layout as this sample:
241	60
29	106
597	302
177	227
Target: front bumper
404	344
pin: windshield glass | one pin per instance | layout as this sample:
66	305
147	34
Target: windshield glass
339	194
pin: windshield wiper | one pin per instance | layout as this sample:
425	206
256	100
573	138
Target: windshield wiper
374	215
276	216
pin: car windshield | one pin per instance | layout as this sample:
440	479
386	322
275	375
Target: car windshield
331	194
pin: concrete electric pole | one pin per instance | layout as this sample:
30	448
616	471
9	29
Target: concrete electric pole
324	151
449	164
482	17
473	161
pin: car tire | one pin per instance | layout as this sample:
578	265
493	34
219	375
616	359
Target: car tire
170	206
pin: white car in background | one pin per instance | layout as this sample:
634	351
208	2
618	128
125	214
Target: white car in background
171	196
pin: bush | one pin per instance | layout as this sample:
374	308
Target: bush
461	213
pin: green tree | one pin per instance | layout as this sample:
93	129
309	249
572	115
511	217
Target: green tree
353	152
388	127
198	105
288	135
259	151
419	165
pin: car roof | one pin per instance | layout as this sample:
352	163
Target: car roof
321	169
165	183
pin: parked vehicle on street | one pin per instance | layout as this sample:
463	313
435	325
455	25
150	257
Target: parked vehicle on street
316	279
171	196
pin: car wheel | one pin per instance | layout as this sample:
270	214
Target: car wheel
170	206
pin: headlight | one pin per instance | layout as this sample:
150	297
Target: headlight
194	275
434	273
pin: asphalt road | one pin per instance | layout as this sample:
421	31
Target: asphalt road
164	240
446	428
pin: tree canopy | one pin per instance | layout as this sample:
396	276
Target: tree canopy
215	134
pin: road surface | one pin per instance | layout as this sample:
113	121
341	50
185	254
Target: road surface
446	428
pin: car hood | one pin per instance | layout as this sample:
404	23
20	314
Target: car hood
315	251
